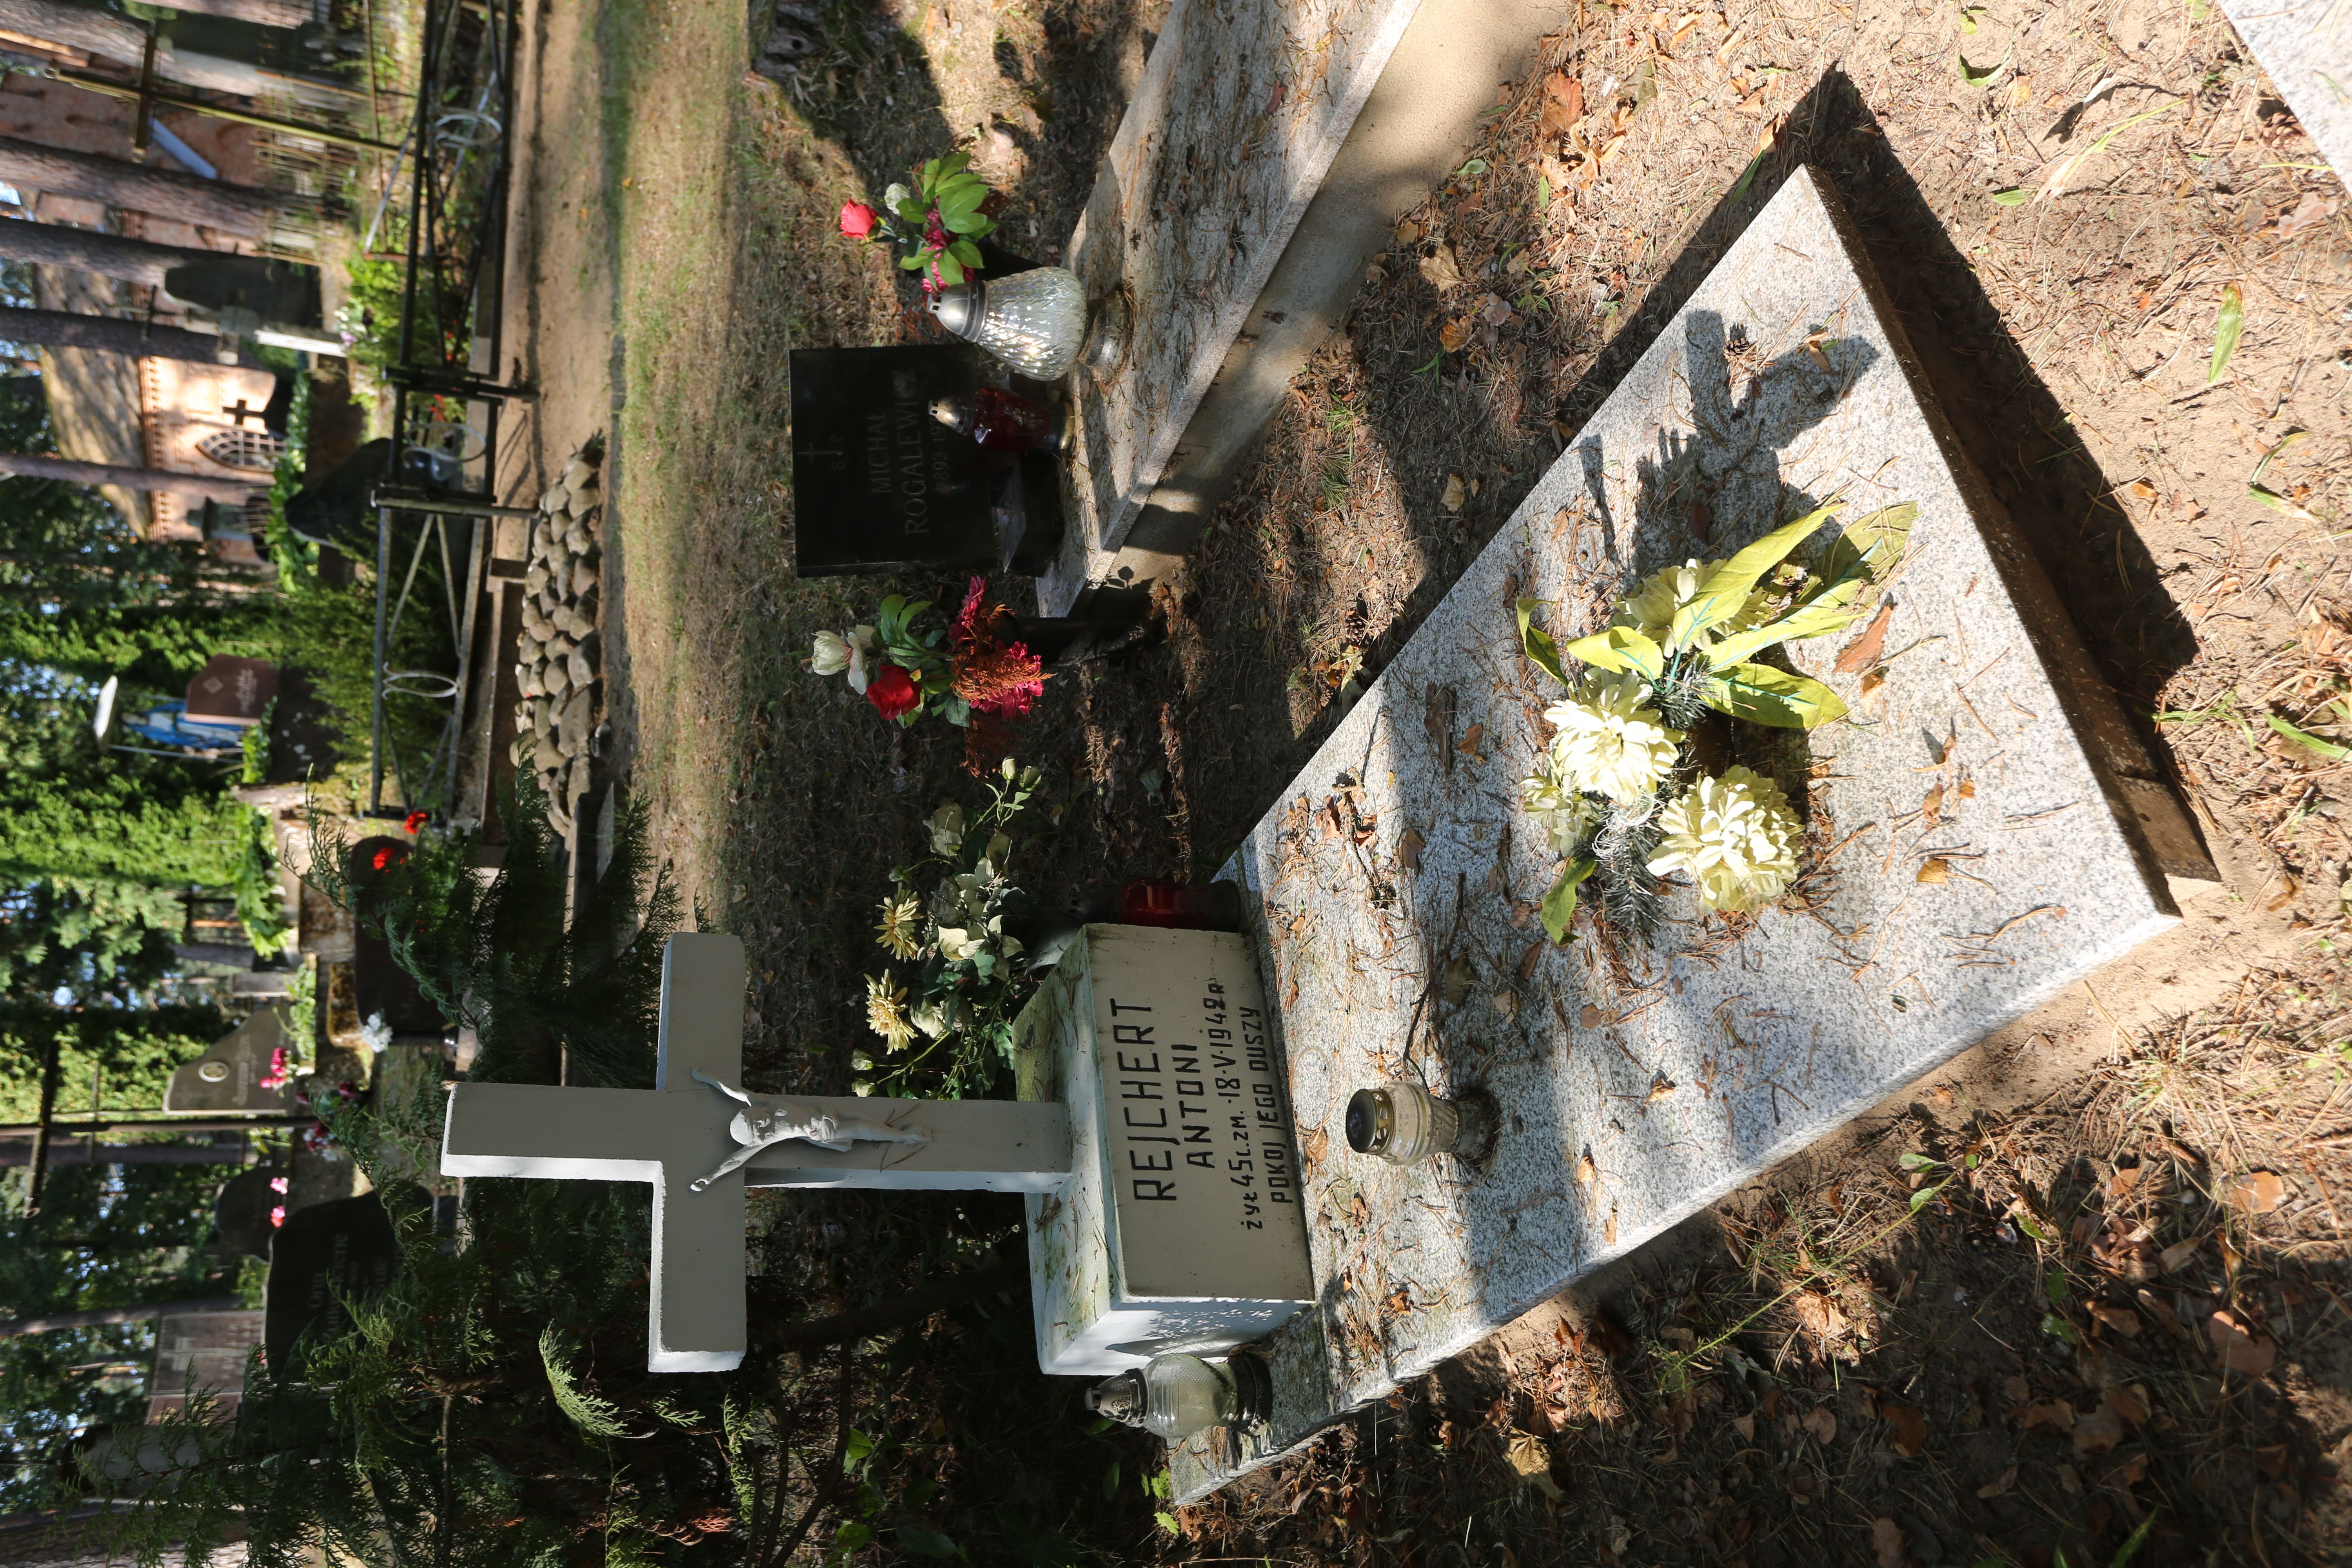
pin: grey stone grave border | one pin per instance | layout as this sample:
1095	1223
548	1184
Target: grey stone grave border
1390	891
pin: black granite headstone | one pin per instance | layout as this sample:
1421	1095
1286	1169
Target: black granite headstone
323	1257
241	1213
878	485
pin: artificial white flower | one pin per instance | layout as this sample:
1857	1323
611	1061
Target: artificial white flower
1567	814
831	655
947	829
1610	744
886	1011
1736	836
861	647
1650	609
956	945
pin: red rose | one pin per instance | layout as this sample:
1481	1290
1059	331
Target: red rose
892	692
857	219
415	820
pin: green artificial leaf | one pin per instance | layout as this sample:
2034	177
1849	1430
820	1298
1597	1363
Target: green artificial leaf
962	199
2227	325
1763	695
968	253
1618	649
2130	1548
924	1543
1810	620
1979	77
1924	1196
2327	748
910	209
964	223
1559	906
911	263
1868	547
1917	1162
1541	650
952	165
2015	196
1726	588
950	270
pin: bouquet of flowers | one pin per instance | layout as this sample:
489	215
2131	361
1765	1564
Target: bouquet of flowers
906	665
1616	791
970	982
939	221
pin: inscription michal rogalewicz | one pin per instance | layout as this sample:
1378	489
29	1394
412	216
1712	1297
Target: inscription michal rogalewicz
878	484
1201	1095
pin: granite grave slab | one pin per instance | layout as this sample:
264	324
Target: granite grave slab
1983	832
2307	48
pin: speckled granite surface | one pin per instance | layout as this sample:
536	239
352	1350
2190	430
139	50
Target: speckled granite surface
1241	108
1393	885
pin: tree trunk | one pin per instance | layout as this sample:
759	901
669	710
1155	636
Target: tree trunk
163	192
119	38
102	1317
90	250
266	13
35	465
106	334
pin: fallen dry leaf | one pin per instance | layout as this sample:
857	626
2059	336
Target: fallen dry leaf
2163	1316
1452	337
2240	1351
1409	849
2257	1192
1457	982
2098	1433
1863	652
2122	1319
1892	1546
2131	1404
1443	272
1317	1142
1999	1484
2178	1253
1586	1171
2054	1414
1563	103
1506	1004
1746	1426
1532	1460
1609	1231
1907	1430
1818	1315
1468	744
2313	209
2128	1473
1455	494
1935	869
1821	1425
2126	1178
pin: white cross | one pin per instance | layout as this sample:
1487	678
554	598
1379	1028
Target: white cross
678	1131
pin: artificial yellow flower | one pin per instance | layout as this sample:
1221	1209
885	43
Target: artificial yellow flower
886	1011
1736	836
902	925
1608	743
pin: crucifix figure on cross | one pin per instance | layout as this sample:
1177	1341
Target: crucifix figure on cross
701	1149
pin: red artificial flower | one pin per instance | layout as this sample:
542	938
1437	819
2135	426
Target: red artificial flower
967	617
386	858
277	1215
1004	678
414	820
858	220
892	692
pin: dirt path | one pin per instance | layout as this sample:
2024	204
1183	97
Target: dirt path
679	240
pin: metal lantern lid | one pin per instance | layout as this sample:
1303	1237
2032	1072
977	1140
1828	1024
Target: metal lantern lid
960	306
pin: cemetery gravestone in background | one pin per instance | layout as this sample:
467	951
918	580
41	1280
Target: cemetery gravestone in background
878	485
230	691
228	1075
325	1255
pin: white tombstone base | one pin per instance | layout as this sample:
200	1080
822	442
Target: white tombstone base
1180	1227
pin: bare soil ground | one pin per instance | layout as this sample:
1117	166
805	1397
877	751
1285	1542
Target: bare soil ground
2103	1322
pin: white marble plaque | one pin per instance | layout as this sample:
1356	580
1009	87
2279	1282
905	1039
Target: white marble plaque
1181	1227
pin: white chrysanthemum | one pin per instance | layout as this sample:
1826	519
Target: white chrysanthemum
1736	836
1608	744
1567	813
1650	608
